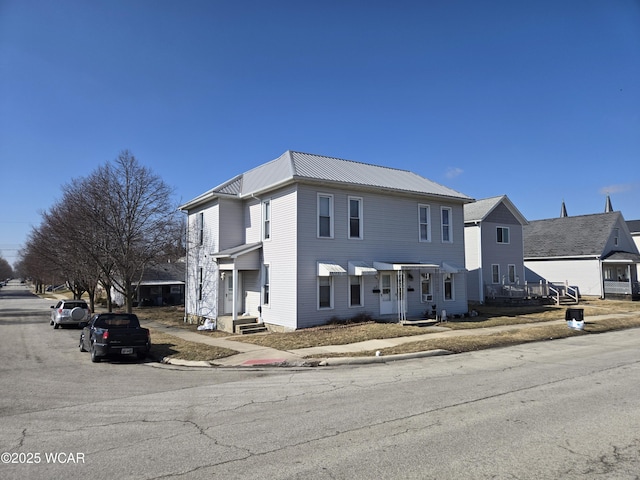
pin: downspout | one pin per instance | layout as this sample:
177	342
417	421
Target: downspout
261	274
481	270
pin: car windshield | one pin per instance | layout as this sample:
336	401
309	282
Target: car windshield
116	321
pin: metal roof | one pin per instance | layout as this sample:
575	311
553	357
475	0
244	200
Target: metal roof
294	166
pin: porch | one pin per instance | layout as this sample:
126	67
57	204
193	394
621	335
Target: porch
531	293
625	290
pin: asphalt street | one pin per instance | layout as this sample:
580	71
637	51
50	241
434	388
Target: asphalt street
564	409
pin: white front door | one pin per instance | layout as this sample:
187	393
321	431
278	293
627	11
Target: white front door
387	294
228	293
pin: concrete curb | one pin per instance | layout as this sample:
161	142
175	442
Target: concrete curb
381	359
327	362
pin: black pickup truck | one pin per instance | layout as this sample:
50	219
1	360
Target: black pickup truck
114	334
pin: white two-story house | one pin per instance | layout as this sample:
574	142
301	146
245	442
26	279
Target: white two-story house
304	239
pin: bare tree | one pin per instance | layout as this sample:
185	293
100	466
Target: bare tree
133	212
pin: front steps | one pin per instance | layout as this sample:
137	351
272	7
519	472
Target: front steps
248	325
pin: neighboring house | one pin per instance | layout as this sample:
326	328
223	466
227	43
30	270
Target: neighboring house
494	248
305	239
595	253
161	284
634	229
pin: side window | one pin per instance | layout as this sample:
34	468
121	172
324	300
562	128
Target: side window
448	286
424	214
325	216
265	287
512	274
495	273
355	218
266	217
447	235
502	234
200	283
201	228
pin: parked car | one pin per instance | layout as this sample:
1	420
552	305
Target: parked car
69	312
115	334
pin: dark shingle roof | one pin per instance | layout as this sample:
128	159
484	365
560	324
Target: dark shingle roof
633	226
584	235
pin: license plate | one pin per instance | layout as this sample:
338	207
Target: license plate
126	351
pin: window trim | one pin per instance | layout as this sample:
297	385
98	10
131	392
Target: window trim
200	280
266	219
266	285
330	280
493	274
428	224
445	277
360	217
512	268
500	240
201	228
361	285
449	225
328	196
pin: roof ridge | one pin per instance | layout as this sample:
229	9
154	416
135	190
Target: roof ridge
353	161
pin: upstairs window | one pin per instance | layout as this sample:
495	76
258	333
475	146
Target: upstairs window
616	234
447	236
201	228
355	217
502	234
325	216
424	212
266	218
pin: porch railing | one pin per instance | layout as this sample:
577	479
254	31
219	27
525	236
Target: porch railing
621	288
557	291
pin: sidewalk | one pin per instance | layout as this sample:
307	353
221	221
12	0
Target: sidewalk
255	355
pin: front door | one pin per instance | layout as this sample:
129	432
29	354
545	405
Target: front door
228	293
387	294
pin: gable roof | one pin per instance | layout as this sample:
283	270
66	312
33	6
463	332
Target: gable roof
478	211
164	273
579	236
294	166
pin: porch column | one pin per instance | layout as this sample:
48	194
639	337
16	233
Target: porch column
234	300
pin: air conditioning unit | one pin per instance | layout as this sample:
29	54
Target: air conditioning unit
427	297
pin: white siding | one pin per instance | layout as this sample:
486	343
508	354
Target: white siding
585	274
280	253
473	262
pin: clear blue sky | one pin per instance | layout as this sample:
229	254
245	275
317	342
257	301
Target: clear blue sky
539	100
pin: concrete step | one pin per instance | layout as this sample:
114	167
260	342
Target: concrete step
248	329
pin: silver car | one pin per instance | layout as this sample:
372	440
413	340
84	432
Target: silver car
69	312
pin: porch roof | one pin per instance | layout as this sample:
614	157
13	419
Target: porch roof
405	266
235	252
622	257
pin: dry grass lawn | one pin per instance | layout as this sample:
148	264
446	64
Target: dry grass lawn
166	345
